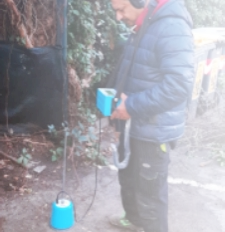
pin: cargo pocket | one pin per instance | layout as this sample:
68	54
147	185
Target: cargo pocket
146	193
152	196
147	179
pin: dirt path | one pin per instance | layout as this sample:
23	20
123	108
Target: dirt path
196	194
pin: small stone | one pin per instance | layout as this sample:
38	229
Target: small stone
39	169
29	190
11	131
28	176
31	164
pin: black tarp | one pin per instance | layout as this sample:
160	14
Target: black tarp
33	82
31	85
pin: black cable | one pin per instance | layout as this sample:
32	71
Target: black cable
64	161
96	176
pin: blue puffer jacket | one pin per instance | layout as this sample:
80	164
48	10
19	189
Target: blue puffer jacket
160	80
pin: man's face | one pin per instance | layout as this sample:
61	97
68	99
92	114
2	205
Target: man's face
125	11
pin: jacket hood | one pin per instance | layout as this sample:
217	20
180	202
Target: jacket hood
174	9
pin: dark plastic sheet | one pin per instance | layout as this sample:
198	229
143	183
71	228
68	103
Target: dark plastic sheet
33	82
31	85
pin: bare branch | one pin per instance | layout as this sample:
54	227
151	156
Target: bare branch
17	21
11	158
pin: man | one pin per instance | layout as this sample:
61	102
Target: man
158	85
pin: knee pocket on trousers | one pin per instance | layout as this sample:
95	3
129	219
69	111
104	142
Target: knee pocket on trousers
151	182
150	193
147	181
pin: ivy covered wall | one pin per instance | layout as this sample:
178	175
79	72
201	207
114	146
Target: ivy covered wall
92	35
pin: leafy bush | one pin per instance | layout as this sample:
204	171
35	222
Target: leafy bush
218	153
221	83
24	158
82	142
207	13
92	34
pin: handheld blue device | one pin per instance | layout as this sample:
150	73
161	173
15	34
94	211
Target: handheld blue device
105	97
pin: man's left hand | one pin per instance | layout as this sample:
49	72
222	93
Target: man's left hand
121	112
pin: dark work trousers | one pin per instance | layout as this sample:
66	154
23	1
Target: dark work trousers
144	188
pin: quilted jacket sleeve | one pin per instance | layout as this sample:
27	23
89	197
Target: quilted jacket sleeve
175	56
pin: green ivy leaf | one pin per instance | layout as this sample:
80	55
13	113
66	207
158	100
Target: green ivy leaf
83	139
76	12
53	152
20	160
25	161
28	156
54	158
59	151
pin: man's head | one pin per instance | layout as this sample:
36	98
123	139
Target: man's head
126	12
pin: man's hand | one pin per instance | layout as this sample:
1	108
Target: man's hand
121	112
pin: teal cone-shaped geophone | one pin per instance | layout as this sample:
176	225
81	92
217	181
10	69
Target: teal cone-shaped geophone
62	215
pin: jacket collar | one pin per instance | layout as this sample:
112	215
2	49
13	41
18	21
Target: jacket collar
157	4
141	19
160	3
